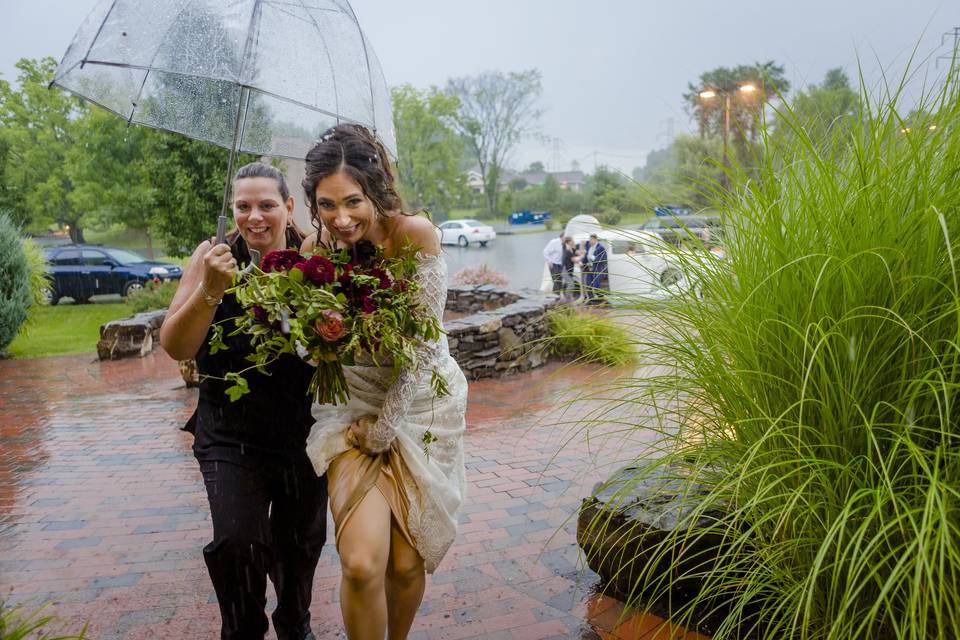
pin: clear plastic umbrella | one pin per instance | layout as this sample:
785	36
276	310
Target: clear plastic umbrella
259	76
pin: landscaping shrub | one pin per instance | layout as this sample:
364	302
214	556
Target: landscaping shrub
609	217
15	296
39	270
590	337
152	296
820	383
481	274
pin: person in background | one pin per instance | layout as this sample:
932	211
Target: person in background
596	274
568	282
553	254
268	507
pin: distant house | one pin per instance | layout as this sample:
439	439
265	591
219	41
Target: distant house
572	180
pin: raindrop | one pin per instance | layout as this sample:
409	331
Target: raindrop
243	450
910	416
852	348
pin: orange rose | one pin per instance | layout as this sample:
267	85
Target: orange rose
330	326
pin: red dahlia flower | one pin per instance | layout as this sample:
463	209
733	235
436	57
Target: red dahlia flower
281	260
319	270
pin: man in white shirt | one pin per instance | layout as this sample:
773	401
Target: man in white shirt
553	254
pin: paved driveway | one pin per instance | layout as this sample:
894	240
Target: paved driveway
103	513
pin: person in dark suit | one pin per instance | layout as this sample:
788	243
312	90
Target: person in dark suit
596	272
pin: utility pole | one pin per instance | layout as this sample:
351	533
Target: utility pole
950	57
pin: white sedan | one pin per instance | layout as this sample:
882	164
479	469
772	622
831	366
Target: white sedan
463	232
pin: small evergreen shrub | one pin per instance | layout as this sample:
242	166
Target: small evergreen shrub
39	271
14	281
153	296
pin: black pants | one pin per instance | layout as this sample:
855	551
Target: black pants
270	519
556	271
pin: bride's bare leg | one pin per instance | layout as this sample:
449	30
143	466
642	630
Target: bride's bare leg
364	552
406	579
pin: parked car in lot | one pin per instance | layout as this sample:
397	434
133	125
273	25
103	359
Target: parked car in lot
706	229
79	271
463	232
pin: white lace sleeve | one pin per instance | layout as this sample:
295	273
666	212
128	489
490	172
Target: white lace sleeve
432	294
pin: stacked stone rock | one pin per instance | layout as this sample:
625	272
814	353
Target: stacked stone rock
504	334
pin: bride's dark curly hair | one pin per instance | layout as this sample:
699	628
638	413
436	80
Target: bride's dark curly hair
353	149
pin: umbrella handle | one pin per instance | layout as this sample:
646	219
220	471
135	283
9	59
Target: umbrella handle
221	229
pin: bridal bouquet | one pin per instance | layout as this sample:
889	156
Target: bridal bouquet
328	307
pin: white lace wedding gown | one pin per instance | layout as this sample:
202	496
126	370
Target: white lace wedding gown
407	407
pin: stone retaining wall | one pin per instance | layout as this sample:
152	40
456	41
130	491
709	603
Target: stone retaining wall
499	339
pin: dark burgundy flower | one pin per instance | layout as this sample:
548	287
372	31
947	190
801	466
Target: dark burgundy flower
281	260
366	304
401	286
383	276
260	314
319	270
363	252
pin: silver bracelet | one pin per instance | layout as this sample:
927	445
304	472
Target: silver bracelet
209	299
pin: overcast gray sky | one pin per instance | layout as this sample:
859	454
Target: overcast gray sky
613	70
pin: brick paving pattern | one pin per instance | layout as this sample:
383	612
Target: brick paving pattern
103	513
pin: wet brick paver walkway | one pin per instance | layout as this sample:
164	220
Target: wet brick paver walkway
103	513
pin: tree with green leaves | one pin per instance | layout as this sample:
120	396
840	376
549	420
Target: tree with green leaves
497	110
40	126
745	108
822	108
188	176
428	147
111	180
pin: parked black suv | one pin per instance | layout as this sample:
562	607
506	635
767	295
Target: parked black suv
79	271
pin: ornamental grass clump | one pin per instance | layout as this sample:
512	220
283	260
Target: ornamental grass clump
818	375
590	337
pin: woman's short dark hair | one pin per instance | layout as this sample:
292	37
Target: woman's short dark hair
263	170
353	149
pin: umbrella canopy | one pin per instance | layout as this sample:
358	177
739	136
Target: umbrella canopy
259	76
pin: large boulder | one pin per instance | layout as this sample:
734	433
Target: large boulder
131	337
622	525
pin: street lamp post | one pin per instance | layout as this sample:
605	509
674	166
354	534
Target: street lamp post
726	92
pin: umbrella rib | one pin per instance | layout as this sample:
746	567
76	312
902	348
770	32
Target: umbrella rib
366	57
275	3
99	31
326	49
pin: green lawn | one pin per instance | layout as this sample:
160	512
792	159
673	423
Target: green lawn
65	329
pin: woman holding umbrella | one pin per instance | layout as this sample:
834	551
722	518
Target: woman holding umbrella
267	505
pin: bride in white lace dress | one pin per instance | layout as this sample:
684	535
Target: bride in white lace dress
394	496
